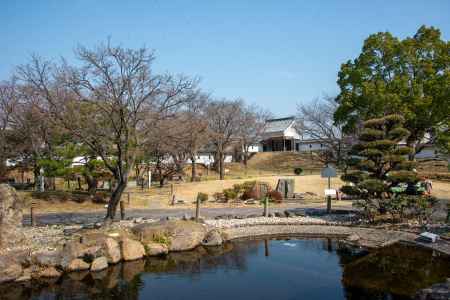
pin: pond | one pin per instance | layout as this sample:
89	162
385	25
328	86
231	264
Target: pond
255	269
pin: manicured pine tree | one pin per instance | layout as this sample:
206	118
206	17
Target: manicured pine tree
379	163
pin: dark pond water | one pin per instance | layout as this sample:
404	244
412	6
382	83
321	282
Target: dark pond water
255	269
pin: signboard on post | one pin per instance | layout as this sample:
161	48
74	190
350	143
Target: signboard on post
328	172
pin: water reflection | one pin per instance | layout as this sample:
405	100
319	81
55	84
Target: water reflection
254	269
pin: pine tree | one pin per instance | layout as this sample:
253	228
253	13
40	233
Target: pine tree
379	162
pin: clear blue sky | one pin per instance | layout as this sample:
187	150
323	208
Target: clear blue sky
274	53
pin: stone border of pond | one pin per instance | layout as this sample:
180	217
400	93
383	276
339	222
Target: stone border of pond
96	248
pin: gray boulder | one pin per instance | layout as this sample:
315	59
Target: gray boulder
47	258
99	264
9	270
49	272
77	265
156	249
181	235
131	249
11	215
286	187
213	238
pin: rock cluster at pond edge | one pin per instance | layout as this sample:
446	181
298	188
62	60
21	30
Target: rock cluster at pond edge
95	249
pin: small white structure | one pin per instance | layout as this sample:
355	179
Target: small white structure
280	135
207	158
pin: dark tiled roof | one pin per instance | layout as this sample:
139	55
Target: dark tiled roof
278	125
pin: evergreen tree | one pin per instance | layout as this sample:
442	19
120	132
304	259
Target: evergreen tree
379	163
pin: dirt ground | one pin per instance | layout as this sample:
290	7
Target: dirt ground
159	198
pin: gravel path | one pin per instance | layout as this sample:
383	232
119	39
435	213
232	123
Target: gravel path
206	213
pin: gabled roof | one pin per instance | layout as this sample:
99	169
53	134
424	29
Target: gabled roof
278	125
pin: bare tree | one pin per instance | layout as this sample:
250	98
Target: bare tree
194	135
223	126
167	148
107	101
315	121
252	121
8	101
29	135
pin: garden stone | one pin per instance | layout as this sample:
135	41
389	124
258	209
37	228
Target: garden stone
182	235
11	216
353	237
286	187
131	249
112	250
212	238
77	265
26	275
99	264
9	271
48	258
49	272
156	249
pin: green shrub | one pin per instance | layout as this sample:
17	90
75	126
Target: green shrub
203	197
298	171
229	194
161	239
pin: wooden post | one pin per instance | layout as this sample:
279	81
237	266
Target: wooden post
197	209
173	200
329	197
171	189
128	197
32	217
266	207
266	248
122	210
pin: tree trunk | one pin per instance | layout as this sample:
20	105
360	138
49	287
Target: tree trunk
194	169
161	181
412	155
115	199
92	184
36	178
221	166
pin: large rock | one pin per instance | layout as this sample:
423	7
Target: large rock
100	244
49	272
47	258
71	251
99	264
132	250
156	249
286	187
9	271
77	265
213	238
112	250
179	235
11	206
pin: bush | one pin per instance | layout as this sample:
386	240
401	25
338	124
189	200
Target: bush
250	194
275	196
229	194
202	197
298	171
